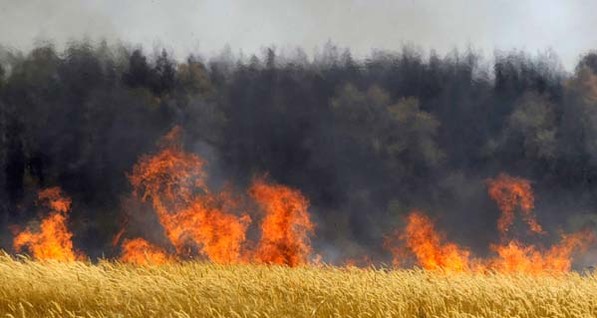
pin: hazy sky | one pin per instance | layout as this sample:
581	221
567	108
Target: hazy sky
566	26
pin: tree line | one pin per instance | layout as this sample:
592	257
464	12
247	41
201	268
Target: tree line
364	139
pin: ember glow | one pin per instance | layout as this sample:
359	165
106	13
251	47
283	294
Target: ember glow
361	262
140	252
52	239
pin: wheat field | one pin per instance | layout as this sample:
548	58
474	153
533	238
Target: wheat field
194	289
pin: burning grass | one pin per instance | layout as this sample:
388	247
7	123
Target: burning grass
200	223
277	273
193	289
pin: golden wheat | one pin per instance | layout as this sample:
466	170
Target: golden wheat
193	289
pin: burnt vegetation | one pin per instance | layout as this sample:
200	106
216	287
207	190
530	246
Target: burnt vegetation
366	140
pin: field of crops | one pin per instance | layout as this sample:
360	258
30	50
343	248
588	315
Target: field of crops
193	289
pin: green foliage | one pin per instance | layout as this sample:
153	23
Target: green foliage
533	121
398	132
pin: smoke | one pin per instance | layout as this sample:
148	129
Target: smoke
185	25
364	140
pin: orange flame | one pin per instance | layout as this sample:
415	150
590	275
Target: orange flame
431	252
286	228
510	192
170	178
514	256
175	183
53	240
518	257
219	235
140	252
361	262
428	246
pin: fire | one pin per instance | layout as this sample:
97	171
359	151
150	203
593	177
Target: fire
170	178
174	182
429	246
510	192
219	235
197	220
361	262
53	240
140	252
431	252
286	228
515	256
518	257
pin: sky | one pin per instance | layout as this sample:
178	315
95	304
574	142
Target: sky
565	27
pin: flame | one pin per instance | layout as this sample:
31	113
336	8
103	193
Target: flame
219	235
429	246
195	219
140	252
361	262
286	227
53	240
510	192
118	236
518	257
515	256
170	178
512	256
174	182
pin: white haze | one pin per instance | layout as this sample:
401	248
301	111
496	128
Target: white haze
183	26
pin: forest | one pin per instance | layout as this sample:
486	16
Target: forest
364	139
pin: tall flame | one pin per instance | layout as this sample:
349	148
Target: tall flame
286	228
53	240
510	192
175	183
